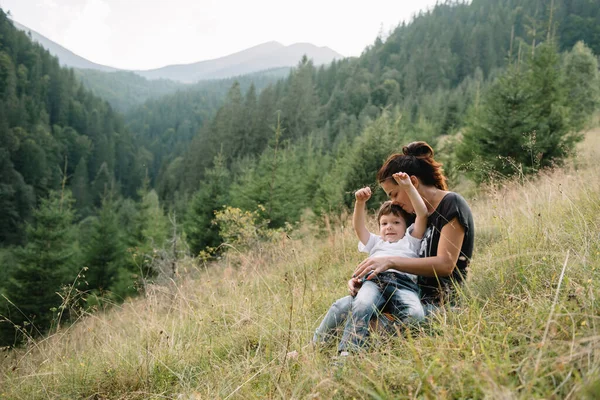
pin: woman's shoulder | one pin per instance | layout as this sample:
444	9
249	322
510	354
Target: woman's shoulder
453	205
453	199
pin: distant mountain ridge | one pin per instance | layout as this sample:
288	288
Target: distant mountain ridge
264	56
258	58
65	56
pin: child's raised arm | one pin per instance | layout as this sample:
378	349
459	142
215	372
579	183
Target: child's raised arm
358	218
403	180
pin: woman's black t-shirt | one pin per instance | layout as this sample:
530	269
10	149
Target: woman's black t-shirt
453	205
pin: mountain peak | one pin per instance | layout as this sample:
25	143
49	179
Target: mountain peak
65	56
263	56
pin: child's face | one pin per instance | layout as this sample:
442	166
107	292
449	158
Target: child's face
391	227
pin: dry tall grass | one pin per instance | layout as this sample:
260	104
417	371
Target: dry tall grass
527	326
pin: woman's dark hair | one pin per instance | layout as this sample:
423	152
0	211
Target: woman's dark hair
388	208
416	159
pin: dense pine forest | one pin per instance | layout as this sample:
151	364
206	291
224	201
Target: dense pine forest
111	200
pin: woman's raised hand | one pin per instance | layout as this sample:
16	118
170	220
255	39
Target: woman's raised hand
362	195
375	265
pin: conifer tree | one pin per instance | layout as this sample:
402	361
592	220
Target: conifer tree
16	201
272	184
102	185
552	137
582	83
151	224
104	251
48	261
299	106
264	119
251	138
212	196
229	123
523	124
150	228
496	127
81	188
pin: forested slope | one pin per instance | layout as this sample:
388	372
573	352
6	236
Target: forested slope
66	163
432	77
51	129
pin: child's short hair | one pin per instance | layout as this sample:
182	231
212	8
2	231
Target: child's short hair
390	208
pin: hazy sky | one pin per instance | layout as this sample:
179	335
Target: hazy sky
145	34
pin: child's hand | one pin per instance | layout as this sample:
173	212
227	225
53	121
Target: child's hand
362	195
353	285
403	180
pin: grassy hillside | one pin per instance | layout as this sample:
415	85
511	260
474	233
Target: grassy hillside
527	326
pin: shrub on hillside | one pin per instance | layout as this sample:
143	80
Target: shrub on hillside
524	123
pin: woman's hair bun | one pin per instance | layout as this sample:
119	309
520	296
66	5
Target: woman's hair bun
418	149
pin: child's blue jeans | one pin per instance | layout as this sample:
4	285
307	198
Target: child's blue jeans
388	289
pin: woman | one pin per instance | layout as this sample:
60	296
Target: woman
447	246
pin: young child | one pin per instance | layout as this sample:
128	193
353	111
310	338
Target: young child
394	239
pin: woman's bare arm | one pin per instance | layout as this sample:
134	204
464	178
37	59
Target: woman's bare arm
442	265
